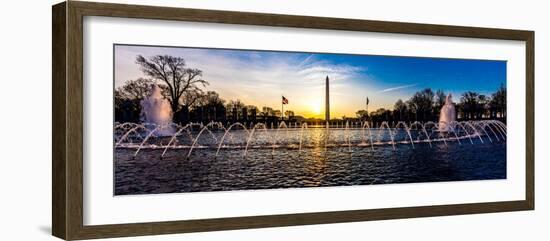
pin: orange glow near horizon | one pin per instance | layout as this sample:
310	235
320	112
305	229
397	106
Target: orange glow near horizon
315	107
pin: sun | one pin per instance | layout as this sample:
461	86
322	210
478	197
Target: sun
315	106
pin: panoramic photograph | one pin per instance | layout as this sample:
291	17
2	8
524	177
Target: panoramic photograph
189	119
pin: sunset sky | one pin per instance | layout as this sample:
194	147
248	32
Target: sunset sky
260	77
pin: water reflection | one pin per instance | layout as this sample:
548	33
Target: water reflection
315	166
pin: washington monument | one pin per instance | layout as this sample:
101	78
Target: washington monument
327	102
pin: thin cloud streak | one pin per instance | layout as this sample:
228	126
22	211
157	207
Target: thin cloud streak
397	88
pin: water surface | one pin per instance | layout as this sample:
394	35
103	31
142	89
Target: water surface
312	166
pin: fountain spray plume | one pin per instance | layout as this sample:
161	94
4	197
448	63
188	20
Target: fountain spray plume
447	115
155	109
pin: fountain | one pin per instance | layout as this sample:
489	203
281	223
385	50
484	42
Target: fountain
158	131
299	136
156	110
159	156
447	115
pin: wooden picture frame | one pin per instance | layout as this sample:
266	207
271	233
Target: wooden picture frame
67	123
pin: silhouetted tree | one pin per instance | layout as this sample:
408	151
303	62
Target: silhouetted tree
422	103
289	113
234	109
483	106
134	89
381	115
267	112
470	105
191	97
498	103
277	113
210	107
253	112
128	98
439	100
400	109
362	114
172	72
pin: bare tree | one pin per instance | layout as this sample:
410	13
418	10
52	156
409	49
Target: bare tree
134	89
400	108
210	98
192	97
172	71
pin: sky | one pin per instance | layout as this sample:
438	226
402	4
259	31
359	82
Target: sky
260	78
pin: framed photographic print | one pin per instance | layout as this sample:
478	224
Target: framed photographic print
170	120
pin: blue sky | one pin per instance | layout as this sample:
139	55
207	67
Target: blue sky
261	77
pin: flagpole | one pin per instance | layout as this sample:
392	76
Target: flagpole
282	109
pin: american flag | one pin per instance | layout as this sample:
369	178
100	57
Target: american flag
285	101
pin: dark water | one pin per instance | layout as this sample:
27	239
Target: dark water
311	167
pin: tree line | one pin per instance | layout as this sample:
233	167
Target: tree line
425	105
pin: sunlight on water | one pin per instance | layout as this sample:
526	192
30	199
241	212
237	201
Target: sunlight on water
215	157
